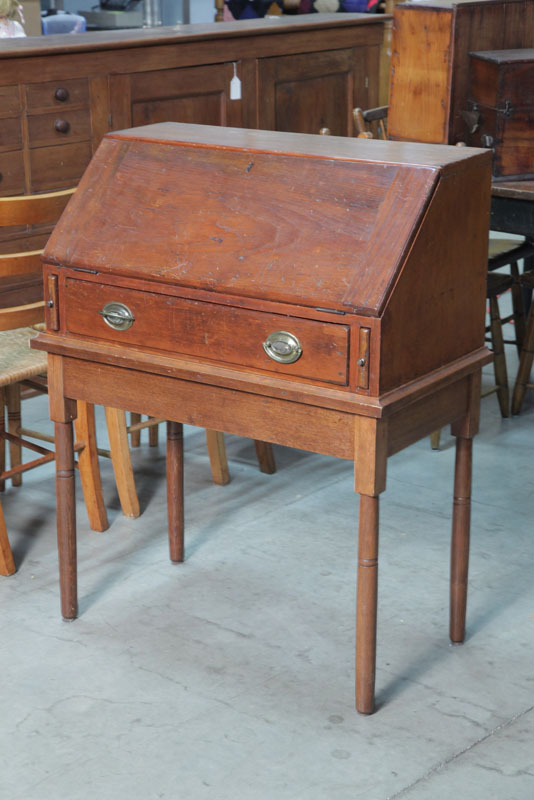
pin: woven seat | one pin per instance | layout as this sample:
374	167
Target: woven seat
17	361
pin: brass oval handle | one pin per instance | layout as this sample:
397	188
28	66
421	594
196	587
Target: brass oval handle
62	126
117	316
283	347
61	94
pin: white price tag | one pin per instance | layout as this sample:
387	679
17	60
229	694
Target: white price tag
235	86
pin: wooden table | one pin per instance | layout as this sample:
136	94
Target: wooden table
367	346
512	211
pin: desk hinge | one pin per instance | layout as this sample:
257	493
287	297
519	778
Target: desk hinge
81	269
330	311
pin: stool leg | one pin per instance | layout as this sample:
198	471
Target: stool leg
7	565
120	458
265	456
518	307
13	426
499	359
367	605
153	435
66	519
135	436
84	426
435	439
2	440
175	489
525	365
461	520
220	473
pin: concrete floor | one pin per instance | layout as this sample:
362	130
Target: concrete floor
231	676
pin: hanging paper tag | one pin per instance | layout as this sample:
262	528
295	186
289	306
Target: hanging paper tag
235	86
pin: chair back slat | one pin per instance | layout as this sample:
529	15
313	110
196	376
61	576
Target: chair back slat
20	263
21	316
35	209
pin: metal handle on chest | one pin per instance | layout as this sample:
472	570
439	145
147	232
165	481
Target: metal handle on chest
283	347
117	316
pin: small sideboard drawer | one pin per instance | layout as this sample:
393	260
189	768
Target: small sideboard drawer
9	100
224	334
59	166
45	129
11	173
57	94
10	134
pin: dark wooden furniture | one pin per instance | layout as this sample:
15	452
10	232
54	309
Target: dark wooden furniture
430	60
500	109
293	289
512	210
60	94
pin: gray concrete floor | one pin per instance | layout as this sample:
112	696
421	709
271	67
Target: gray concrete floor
231	676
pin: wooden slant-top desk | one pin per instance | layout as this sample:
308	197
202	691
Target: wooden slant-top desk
319	292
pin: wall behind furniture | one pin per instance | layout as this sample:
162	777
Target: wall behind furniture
199	10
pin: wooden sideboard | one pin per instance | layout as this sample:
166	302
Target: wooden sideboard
60	94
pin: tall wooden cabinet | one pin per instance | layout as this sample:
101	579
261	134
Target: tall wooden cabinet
60	94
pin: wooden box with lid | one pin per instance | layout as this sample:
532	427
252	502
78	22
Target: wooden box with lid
430	60
500	109
318	292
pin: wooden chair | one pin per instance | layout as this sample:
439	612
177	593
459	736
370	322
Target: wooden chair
22	308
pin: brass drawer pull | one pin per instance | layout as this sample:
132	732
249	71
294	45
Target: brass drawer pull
283	347
117	316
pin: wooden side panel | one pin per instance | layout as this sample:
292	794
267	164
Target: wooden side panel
442	286
420	74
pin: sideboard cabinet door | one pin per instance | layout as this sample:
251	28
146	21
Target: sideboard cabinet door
304	93
199	95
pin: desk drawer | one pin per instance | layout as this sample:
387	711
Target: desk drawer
10	134
60	166
11	173
207	330
57	94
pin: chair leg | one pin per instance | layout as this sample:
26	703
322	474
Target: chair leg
122	465
265	456
13	425
84	426
220	473
153	436
7	565
518	307
525	365
499	359
2	440
135	436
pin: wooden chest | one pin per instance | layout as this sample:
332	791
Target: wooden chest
500	109
318	292
430	60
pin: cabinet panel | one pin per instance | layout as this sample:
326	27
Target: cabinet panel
60	166
304	93
11	173
198	95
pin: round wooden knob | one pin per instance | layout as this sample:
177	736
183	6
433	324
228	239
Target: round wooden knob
62	126
61	94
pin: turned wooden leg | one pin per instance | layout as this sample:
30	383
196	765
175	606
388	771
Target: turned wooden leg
84	426
461	519
370	459
265	456
7	565
220	473
153	435
499	358
2	440
122	465
175	489
135	436
367	605
525	365
13	426
66	519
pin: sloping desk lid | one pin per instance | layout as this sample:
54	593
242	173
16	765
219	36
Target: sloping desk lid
308	220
